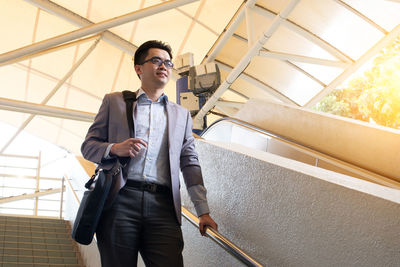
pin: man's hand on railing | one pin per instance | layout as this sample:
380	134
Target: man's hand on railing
205	221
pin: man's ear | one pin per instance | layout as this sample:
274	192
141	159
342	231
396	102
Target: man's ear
138	69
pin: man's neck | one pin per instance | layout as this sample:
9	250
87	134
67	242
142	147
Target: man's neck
153	94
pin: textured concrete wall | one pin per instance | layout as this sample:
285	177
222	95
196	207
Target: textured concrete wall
286	213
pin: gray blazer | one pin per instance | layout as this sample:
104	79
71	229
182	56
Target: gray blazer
111	126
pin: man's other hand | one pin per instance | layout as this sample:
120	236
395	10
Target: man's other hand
206	221
128	148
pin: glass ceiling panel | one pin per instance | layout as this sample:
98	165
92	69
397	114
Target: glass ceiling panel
335	24
17	20
325	74
385	13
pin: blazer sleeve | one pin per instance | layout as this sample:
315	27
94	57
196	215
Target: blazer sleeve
189	161
96	140
191	171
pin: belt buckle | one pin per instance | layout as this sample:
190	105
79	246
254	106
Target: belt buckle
150	187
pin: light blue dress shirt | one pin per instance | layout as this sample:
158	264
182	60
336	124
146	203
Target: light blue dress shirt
151	164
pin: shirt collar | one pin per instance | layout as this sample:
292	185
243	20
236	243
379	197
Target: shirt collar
141	94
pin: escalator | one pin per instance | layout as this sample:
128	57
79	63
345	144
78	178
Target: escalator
231	130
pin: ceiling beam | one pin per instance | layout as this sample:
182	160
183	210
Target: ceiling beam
303	59
287	62
250	27
244	62
29	196
50	50
228	31
231	104
254	81
306	34
80	21
43	110
92	29
355	66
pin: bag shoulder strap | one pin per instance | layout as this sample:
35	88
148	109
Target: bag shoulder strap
129	98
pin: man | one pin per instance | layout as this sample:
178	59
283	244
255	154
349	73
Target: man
145	214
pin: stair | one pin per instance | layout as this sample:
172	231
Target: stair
36	242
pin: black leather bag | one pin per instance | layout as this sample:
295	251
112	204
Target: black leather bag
92	204
94	199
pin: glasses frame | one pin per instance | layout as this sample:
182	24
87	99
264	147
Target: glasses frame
158	61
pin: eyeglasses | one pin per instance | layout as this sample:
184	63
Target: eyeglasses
158	61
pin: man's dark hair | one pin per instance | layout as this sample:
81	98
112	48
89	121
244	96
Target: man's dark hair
142	51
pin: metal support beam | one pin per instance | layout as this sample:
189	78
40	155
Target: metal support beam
80	21
109	37
50	95
355	66
306	34
29	196
244	62
49	111
231	104
38	183
250	26
268	89
227	33
304	59
92	29
287	62
50	50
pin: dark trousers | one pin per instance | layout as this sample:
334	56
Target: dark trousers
140	221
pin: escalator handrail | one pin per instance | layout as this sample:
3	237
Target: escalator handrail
370	175
221	240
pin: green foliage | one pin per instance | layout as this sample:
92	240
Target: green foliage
374	96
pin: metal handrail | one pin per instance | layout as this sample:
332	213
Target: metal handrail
221	240
369	175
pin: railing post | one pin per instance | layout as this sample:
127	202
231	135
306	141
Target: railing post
62	196
37	183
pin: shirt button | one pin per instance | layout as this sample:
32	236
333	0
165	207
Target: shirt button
144	176
148	158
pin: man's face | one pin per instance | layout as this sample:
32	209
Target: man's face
151	73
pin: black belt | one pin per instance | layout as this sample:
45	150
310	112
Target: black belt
146	186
